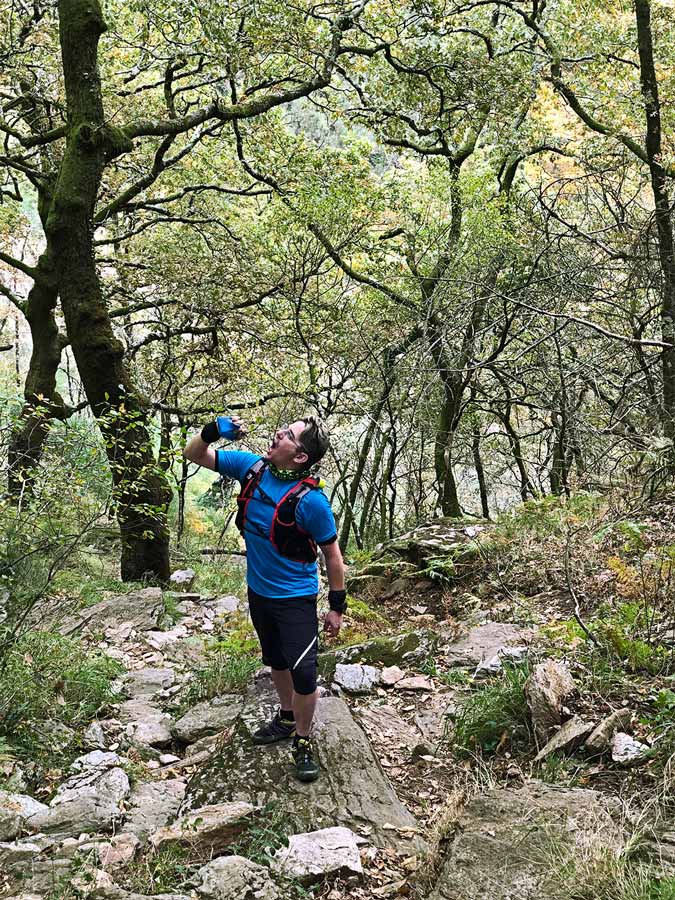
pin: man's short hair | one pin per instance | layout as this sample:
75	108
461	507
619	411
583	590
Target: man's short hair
314	439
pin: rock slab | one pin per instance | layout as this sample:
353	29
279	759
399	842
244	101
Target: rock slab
235	878
502	846
545	690
210	827
317	854
352	791
208	718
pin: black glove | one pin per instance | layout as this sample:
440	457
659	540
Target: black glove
210	433
337	600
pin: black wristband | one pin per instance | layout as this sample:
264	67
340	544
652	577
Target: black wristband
337	600
210	433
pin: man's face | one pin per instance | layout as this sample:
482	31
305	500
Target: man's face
286	451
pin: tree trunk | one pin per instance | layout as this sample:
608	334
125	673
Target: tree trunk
480	472
662	208
141	491
42	403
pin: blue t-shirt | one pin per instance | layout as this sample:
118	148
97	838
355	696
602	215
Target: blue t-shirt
267	572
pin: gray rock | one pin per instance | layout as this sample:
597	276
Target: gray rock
388	650
211	827
415	683
144	684
483	642
627	751
235	878
89	802
317	854
45	876
54	736
545	690
355	678
224	605
503	841
96	759
384	725
17	855
94	737
208	718
570	735
601	736
142	609
352	790
15	809
183	578
153	805
495	664
145	723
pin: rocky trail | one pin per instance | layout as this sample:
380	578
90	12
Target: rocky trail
157	777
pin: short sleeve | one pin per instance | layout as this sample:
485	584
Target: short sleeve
234	463
315	516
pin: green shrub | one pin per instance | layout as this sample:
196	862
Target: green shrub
495	709
232	662
46	676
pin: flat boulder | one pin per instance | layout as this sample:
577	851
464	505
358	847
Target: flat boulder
387	650
15	809
88	802
484	642
142	609
504	839
208	718
315	855
355	678
152	805
148	683
352	791
235	878
209	827
146	724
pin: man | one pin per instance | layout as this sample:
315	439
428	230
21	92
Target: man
283	516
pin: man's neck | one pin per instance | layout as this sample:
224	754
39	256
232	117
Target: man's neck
288	474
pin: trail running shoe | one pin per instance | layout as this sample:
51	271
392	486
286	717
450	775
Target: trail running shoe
277	729
306	767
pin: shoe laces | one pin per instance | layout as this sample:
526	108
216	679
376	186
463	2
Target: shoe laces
303	748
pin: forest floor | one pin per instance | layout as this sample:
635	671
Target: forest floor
586	584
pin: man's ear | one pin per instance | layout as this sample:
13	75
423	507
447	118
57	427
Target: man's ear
302	458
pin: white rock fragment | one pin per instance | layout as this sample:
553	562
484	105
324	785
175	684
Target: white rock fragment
390	675
355	678
315	854
627	751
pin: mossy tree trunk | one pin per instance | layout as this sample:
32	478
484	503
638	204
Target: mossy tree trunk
141	491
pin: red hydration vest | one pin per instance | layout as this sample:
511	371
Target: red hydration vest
287	538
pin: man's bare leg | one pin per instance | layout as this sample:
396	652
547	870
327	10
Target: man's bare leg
284	684
303	707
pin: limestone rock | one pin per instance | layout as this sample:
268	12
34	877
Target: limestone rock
415	683
94	737
211	827
153	805
88	802
223	606
208	718
601	736
545	690
235	878
390	675
355	678
501	848
183	579
15	809
570	735
627	751
316	854
145	723
495	664
95	759
388	650
352	790
16	855
483	642
142	609
120	850
147	683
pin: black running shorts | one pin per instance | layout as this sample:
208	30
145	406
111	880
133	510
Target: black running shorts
288	631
